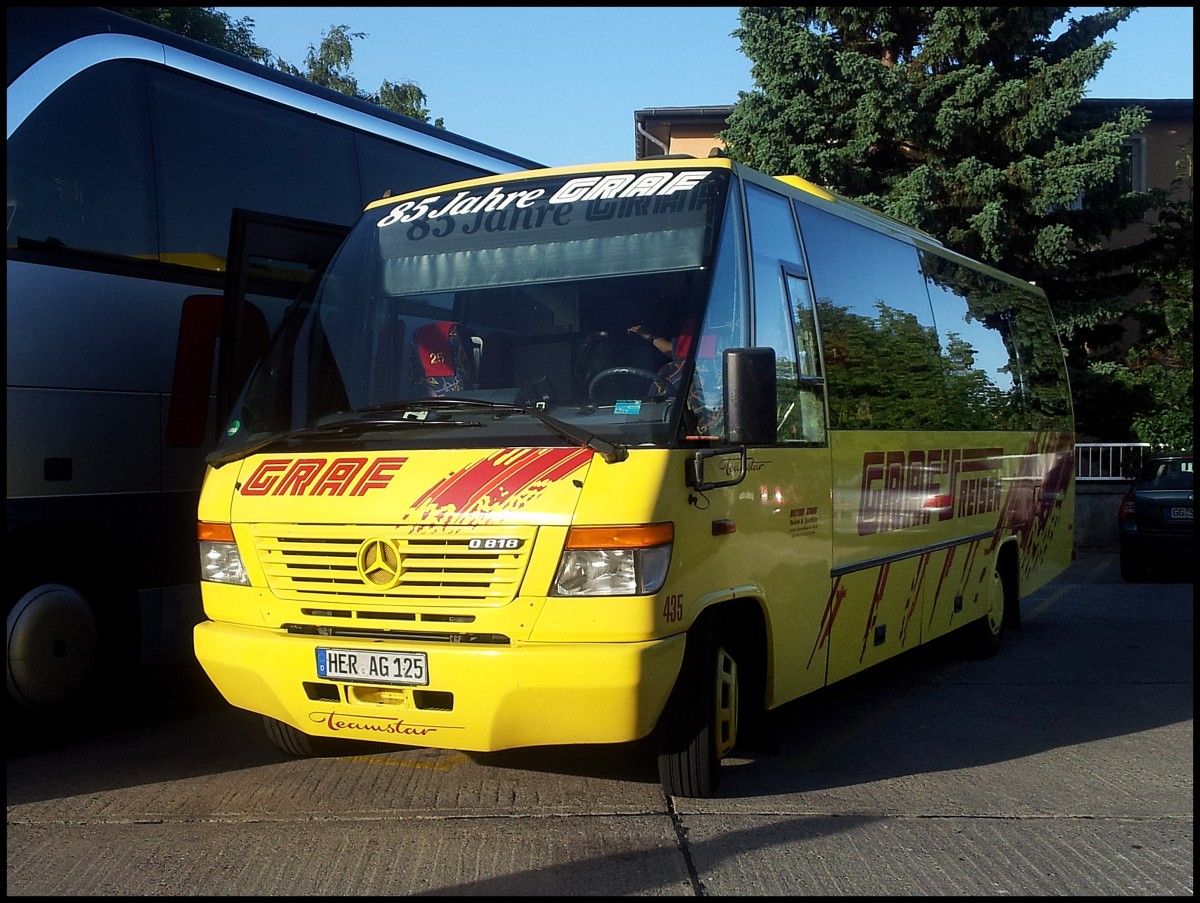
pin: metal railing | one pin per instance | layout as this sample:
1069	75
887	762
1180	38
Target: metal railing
1113	461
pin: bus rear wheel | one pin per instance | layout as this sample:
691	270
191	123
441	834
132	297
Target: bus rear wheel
698	727
982	638
53	647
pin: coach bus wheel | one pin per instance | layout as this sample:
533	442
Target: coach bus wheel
699	724
300	745
53	647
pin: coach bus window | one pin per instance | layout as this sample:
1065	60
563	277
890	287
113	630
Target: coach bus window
247	153
77	169
381	177
882	360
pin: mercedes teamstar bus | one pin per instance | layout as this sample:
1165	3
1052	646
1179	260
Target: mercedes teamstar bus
131	154
638	451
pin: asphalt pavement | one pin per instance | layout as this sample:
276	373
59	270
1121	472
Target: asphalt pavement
1061	767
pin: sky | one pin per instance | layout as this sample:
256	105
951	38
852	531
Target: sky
559	85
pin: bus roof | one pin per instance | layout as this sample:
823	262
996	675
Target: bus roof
34	31
808	192
841	205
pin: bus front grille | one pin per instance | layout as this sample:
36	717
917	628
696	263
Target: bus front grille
357	564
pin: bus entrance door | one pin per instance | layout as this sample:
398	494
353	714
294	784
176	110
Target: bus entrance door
272	260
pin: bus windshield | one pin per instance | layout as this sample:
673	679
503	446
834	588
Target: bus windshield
577	295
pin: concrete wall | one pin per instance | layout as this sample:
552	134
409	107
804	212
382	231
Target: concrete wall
1096	513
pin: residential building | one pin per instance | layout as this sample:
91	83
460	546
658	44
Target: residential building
1157	156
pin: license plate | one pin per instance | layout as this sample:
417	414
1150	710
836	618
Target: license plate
1180	513
357	666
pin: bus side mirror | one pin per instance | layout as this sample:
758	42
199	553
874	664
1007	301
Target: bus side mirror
749	397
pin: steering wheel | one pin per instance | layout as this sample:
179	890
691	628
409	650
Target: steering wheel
653	378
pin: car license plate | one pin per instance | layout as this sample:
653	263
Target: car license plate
358	666
1180	513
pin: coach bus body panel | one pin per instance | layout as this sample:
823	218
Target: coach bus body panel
121	143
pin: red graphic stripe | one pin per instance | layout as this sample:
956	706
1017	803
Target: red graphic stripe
880	586
832	604
540	468
505	478
969	563
941	581
914	595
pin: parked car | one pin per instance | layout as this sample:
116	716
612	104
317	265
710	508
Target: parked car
1154	521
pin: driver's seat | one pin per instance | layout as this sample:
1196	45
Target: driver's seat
605	350
444	360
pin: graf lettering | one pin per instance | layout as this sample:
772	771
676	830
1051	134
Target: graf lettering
321	476
901	489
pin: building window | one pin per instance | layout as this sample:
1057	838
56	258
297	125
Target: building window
1131	171
1132	174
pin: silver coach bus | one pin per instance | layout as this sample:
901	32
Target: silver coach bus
132	155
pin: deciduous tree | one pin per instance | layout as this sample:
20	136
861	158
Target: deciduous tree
327	63
202	23
1159	370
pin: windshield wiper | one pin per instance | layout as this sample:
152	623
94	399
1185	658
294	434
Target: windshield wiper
414	413
347	426
611	453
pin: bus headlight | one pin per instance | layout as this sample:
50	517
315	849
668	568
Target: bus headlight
220	561
614	561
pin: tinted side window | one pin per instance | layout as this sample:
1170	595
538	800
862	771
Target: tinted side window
80	173
1042	367
726	324
803	398
387	169
219	149
783	316
975	332
773	243
882	361
85	175
1001	361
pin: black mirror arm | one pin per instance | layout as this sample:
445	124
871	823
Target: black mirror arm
694	473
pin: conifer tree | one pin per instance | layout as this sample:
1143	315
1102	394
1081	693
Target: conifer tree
967	122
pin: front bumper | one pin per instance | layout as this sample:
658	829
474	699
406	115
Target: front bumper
1167	547
478	699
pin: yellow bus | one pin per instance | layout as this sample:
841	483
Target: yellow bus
644	450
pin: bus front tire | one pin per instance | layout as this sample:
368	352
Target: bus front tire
300	745
699	724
